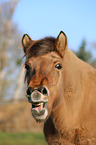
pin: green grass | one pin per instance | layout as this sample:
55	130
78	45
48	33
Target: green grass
22	139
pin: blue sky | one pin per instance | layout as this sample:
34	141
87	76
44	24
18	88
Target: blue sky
40	18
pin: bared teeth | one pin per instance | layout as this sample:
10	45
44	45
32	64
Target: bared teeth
37	105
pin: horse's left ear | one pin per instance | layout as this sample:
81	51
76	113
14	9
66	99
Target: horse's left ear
25	41
61	43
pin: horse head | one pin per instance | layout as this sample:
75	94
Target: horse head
44	70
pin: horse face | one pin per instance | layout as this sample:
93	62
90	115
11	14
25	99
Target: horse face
44	79
43	74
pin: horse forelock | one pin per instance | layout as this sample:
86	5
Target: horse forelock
40	47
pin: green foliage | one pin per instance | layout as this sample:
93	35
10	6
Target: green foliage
22	139
83	54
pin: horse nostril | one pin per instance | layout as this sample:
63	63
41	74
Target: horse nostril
29	90
44	91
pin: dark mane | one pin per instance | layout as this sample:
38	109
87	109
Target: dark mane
41	47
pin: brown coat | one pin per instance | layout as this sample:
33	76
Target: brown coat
74	119
71	105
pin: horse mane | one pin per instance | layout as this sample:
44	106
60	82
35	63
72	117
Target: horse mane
40	47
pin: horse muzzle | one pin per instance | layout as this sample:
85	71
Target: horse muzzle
39	98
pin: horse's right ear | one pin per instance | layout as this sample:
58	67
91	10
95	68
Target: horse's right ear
25	41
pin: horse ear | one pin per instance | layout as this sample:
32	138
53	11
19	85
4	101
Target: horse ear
61	43
25	41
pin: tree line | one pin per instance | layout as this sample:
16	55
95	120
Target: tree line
10	52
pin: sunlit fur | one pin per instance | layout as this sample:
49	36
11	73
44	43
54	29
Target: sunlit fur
71	104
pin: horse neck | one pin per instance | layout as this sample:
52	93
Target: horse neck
62	114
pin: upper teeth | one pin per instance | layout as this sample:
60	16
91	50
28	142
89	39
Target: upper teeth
37	105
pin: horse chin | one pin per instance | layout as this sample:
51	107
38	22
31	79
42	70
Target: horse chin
39	111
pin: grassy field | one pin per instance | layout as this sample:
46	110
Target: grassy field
22	139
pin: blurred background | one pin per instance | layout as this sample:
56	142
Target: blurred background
38	19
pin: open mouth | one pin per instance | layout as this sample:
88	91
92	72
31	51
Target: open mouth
39	111
39	106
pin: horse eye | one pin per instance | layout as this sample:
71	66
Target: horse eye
27	66
58	66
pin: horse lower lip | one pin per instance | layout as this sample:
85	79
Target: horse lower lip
40	112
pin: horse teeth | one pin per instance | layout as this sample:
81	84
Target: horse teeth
37	105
